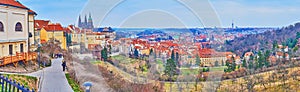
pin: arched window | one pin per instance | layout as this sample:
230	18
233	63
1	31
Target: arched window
18	27
1	27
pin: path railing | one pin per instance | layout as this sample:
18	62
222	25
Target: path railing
9	85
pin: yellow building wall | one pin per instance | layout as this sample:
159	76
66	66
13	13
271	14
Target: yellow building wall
43	35
4	48
58	35
145	51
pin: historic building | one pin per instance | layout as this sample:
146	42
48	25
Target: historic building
87	23
38	25
54	31
16	28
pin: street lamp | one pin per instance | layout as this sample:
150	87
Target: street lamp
39	50
87	86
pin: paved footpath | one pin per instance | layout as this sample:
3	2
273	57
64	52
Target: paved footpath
52	78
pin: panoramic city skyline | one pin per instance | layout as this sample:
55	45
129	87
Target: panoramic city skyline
255	13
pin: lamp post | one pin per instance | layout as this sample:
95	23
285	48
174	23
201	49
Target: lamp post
87	86
39	60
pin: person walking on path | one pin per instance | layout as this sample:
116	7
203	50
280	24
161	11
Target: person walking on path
64	65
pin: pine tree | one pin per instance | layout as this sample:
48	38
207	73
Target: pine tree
151	51
250	65
260	59
104	54
244	63
173	55
198	61
177	59
136	53
170	69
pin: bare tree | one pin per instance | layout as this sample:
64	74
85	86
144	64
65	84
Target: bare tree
250	82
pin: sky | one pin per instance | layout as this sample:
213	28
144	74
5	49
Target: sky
170	13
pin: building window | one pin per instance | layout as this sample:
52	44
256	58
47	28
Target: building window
1	27
10	49
18	27
21	48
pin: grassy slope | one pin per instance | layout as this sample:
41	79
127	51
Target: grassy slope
75	86
27	81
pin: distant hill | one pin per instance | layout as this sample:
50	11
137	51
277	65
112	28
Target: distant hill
263	41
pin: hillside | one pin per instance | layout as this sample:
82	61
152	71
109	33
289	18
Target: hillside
264	40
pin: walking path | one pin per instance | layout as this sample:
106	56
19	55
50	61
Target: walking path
52	78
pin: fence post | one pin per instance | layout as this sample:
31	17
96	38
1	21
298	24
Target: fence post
14	87
9	86
18	90
32	90
2	83
6	80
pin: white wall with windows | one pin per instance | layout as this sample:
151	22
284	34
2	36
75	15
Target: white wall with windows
12	40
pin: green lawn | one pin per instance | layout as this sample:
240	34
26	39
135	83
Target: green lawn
188	71
124	59
75	86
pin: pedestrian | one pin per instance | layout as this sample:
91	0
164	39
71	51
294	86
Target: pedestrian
64	65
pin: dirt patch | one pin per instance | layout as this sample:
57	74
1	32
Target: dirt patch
83	71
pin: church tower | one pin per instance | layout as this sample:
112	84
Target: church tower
90	22
87	23
79	21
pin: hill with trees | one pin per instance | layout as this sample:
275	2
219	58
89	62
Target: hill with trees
287	36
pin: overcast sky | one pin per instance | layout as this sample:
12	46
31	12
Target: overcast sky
170	13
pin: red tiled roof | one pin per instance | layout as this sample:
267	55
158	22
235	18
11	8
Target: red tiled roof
67	30
12	3
31	12
15	3
39	24
54	27
208	53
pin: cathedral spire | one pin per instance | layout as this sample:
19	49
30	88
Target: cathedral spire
90	17
79	21
90	22
85	20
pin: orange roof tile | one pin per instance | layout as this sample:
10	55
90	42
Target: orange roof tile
39	24
31	12
13	3
54	27
17	4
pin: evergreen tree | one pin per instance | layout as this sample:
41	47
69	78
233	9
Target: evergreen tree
274	45
260	59
173	55
151	51
229	67
177	59
104	55
250	65
266	61
244	63
198	61
297	35
233	67
136	53
170	69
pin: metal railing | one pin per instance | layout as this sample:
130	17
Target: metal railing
9	85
